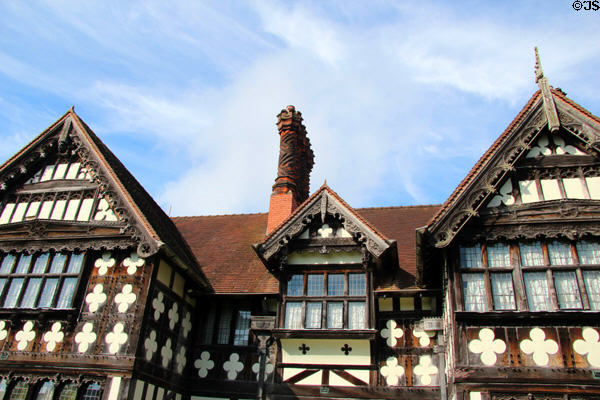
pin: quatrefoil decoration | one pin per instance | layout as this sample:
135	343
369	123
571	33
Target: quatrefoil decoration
3	330
504	196
423	336
173	315
204	364
95	298
186	324
53	336
268	369
539	346
425	370
487	346
233	366
392	333
133	262
166	353
180	360
104	263
25	335
158	305
116	338
150	345
104	212
392	372
85	337
590	345
125	298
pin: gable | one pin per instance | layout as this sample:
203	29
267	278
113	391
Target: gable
560	151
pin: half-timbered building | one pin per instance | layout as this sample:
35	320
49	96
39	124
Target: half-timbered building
493	295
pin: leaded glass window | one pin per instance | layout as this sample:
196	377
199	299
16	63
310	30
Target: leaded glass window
93	391
502	291
356	315
293	315
46	391
335	285
242	328
294	286
356	285
531	254
498	255
474	292
536	286
19	391
560	253
314	285
313	315
68	392
567	290
335	315
592	286
588	252
470	257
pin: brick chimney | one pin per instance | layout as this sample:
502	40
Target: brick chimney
296	160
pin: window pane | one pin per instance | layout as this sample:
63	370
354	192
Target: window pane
19	391
314	285
498	255
92	392
589	252
224	325
242	328
46	391
335	284
7	264
58	263
474	292
313	315
356	315
536	287
48	293
13	293
209	324
40	263
470	257
531	254
502	291
335	315
294	287
23	265
567	290
560	253
2	389
69	392
356	285
75	263
66	293
592	285
30	296
293	315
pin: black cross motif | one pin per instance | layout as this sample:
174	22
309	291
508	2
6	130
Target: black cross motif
346	349
304	348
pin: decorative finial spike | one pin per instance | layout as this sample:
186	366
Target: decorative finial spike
325	182
539	73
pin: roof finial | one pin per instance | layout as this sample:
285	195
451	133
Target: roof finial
548	99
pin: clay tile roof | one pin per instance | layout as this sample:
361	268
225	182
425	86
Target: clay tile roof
222	244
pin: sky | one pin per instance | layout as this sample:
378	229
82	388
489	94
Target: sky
399	98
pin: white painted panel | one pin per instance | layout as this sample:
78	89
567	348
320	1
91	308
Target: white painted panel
85	210
61	169
115	385
150	392
177	396
164	273
160	393
386	304
335	380
59	208
46	209
72	209
139	389
82	173
296	258
407	303
19	212
73	170
304	235
326	351
8	209
34	206
314	379
593	184
550	189
574	188
47	175
529	193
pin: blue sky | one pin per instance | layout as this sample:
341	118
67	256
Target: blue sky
399	98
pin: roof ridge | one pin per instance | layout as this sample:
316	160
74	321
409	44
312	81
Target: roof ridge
397	207
217	215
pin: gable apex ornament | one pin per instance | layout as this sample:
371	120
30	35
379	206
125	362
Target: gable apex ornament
549	106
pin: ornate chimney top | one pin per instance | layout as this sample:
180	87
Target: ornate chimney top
296	160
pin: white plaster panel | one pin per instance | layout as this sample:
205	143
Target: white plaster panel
19	212
73	170
178	284
60	171
47	175
164	273
160	393
72	207
139	389
574	188
386	304
407	303
46	209
8	209
593	184
331	258
529	193
150	392
34	206
335	380
326	351
550	189
314	379
115	385
59	207
85	210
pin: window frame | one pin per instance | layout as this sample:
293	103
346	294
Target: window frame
325	300
558	299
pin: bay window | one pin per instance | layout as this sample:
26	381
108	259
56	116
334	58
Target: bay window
325	301
553	275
